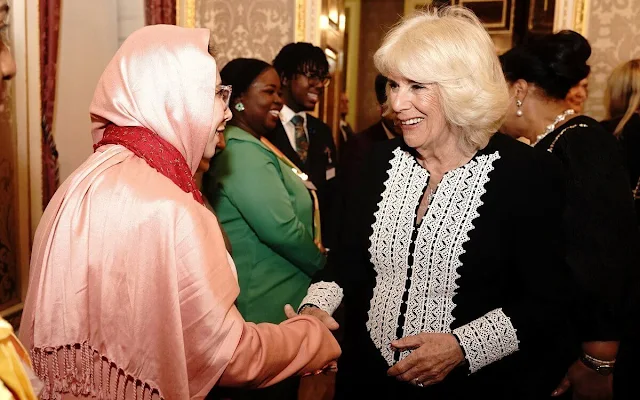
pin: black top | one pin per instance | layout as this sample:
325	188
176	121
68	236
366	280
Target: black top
629	140
599	222
321	159
356	150
486	263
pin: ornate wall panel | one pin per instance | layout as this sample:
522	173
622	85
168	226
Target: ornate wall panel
614	34
247	28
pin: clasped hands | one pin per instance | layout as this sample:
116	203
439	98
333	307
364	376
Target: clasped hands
433	357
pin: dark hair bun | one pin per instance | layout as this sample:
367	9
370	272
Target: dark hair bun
554	62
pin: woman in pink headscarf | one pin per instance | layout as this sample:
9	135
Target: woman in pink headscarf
131	291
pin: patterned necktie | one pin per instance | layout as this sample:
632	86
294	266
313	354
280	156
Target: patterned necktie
302	144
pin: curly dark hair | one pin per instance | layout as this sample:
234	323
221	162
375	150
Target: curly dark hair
300	57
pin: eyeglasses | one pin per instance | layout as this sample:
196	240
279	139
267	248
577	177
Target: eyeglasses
314	78
224	92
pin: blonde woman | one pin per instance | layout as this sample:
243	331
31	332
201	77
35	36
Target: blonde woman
444	297
622	100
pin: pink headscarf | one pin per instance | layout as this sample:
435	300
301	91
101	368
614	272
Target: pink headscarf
131	291
164	79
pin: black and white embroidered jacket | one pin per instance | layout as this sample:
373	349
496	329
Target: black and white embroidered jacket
485	264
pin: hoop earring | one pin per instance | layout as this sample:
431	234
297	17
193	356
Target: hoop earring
519	111
239	107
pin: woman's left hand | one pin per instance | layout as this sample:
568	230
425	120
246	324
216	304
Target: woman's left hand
434	356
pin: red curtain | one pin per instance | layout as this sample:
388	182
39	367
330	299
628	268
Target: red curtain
160	12
49	29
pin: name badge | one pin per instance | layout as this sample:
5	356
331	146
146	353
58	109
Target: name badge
331	173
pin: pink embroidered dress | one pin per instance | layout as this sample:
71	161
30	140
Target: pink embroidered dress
131	291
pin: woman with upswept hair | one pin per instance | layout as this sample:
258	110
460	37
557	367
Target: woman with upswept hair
598	221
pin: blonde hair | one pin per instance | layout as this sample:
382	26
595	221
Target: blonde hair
622	96
449	47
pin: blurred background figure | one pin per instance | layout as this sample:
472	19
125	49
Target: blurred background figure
577	95
622	100
304	139
357	149
346	132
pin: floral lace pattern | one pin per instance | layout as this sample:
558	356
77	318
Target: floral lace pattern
487	339
325	295
438	246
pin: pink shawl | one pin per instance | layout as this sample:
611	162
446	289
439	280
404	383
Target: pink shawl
131	290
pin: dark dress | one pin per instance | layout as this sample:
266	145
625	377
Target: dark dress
469	267
614	277
599	223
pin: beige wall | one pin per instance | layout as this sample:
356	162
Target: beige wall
247	28
130	18
614	34
88	40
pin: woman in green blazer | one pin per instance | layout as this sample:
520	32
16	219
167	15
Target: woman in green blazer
264	207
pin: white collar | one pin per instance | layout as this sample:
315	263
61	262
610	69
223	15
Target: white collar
286	114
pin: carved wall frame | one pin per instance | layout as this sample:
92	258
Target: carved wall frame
573	15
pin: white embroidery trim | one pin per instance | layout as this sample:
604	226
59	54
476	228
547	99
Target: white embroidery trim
438	247
487	339
326	295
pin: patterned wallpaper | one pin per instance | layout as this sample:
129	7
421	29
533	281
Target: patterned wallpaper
247	28
614	34
9	291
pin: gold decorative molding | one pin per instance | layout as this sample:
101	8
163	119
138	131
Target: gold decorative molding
580	17
573	15
190	13
186	13
300	21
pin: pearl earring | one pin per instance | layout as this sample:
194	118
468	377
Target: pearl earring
519	111
239	107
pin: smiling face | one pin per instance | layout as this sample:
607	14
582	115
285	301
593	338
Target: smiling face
302	91
262	103
418	110
578	95
221	115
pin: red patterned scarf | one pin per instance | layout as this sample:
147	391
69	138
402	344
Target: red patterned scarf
156	151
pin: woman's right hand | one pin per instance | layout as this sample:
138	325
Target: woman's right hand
322	315
587	384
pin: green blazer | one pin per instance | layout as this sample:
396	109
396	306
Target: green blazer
267	213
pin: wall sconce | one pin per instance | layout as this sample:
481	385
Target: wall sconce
343	22
333	16
324	22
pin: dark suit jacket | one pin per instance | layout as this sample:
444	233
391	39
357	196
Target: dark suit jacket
320	158
356	149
